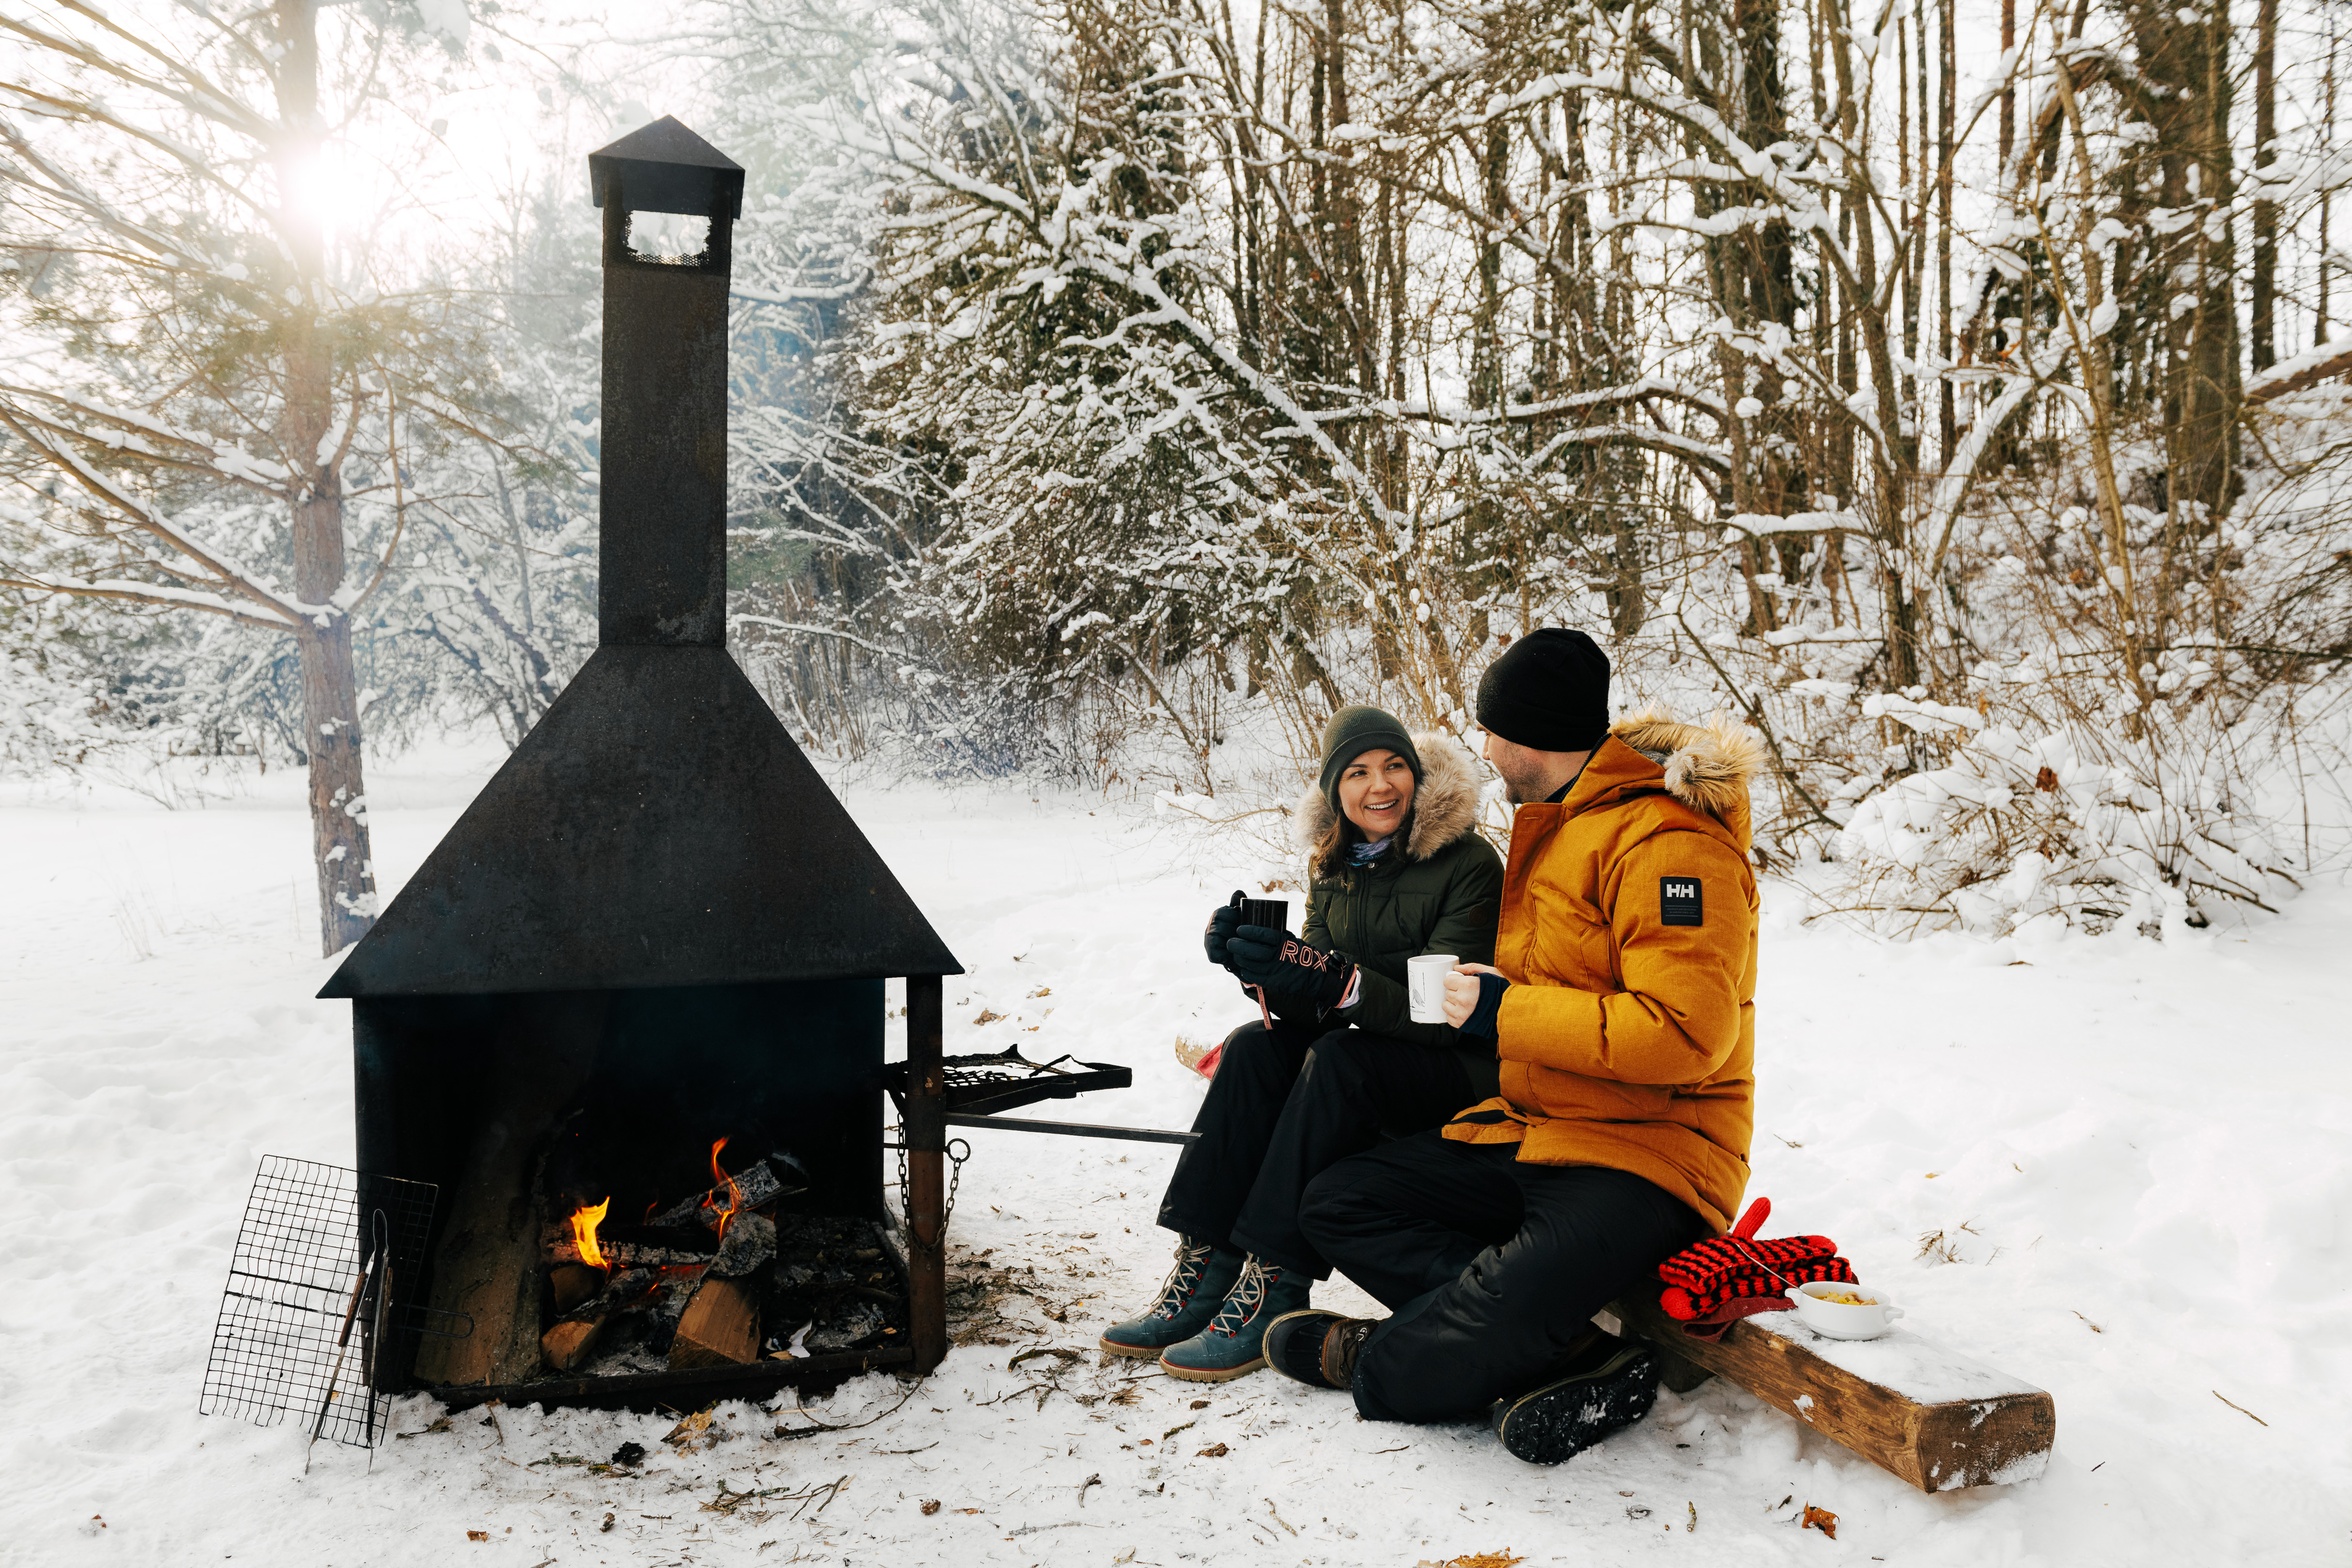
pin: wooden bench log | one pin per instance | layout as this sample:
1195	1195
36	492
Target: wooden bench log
1938	1420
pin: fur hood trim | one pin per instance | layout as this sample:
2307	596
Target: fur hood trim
1709	766
1444	805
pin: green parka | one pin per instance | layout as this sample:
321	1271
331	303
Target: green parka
1439	892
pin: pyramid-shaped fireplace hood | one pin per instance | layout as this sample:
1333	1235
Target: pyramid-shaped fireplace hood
658	827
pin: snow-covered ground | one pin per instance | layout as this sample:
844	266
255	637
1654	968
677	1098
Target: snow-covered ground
2138	1159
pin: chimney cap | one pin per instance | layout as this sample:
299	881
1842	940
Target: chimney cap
665	168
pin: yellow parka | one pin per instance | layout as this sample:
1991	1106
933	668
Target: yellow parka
1628	1036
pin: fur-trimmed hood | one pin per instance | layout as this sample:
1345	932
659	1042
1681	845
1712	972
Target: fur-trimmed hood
1709	766
1444	803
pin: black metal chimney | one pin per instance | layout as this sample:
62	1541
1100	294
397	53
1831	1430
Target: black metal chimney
663	433
658	827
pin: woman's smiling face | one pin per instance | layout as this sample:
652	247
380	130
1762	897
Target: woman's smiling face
1376	792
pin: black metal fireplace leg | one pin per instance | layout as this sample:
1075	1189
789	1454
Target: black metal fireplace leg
925	1132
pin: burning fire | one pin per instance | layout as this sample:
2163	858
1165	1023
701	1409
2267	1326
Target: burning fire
723	1182
584	1234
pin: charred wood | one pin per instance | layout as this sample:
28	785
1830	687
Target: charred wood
573	1336
574	1283
755	1186
750	1242
624	1254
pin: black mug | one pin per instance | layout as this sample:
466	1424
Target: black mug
1274	914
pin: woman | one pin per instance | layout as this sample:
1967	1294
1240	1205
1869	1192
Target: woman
1397	869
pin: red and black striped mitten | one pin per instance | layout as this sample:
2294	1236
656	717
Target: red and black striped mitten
1724	1268
1684	1304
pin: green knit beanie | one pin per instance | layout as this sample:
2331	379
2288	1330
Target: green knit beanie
1351	733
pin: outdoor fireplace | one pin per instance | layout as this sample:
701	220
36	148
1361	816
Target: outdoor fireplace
628	1015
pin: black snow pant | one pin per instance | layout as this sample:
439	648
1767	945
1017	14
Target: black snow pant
1286	1104
1491	1268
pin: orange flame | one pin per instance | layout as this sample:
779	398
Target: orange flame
723	1181
584	1234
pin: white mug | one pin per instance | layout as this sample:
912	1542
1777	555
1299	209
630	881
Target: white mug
1424	985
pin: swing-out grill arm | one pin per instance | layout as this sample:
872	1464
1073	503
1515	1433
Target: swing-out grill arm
1070	1128
977	1086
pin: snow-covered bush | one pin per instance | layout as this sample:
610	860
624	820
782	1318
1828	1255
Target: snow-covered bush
2016	825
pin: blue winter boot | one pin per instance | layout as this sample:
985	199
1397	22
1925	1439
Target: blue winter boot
1232	1345
1202	1276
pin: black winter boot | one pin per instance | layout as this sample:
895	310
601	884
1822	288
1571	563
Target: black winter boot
1612	1383
1317	1348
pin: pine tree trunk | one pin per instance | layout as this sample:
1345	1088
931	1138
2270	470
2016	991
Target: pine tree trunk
331	714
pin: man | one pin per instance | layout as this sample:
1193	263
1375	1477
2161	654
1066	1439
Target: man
1622	1004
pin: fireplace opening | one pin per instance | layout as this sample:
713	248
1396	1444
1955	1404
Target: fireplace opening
639	1185
727	1276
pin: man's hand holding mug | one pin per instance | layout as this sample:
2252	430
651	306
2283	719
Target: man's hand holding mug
1470	1001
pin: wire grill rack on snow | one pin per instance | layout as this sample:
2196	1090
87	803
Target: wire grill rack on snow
298	1335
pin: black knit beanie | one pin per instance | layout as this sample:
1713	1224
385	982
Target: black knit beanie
1351	733
1549	691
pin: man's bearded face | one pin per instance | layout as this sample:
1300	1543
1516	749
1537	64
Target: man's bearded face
1523	777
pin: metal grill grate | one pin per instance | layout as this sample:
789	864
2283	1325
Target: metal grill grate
1005	1079
305	1311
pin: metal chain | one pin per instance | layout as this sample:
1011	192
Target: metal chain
906	1200
955	1181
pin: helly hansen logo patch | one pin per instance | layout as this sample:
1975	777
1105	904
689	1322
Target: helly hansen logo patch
1678	902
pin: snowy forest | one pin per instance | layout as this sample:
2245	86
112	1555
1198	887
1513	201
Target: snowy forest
483	1064
1953	395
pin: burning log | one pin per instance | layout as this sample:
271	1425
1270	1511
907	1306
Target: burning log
697	1297
753	1188
574	1283
750	1242
624	1255
722	1326
573	1337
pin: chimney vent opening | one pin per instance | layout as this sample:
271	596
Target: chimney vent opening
669	239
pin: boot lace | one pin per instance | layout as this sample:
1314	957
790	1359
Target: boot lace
1192	1263
1248	1294
1341	1351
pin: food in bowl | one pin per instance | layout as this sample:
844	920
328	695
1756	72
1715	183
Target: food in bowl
1844	1310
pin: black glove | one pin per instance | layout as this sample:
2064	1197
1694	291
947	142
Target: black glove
1481	1021
1222	922
1260	956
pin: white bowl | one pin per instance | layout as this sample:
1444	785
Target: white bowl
1837	1321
